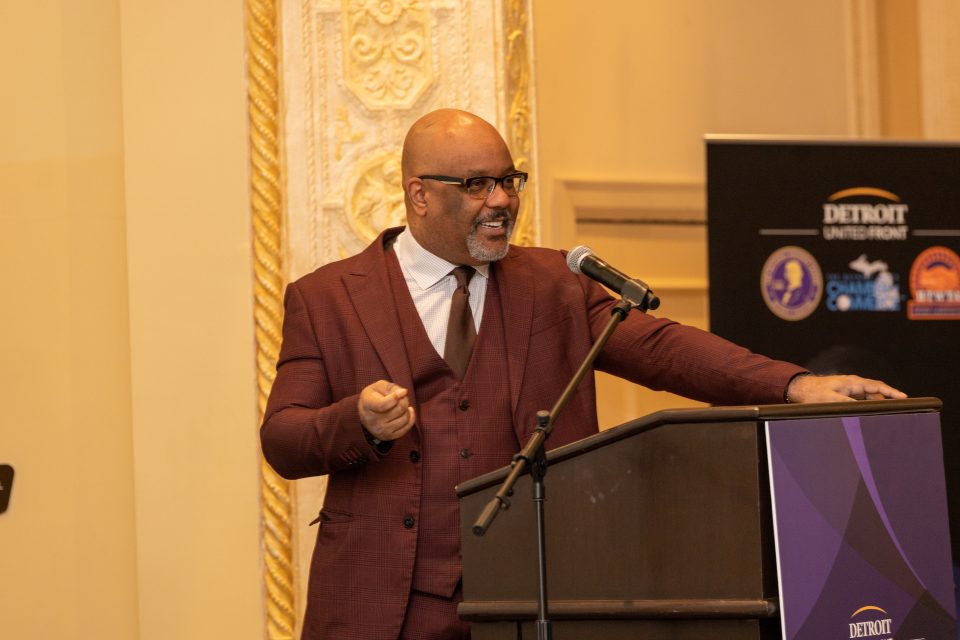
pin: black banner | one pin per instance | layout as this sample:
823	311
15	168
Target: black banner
843	257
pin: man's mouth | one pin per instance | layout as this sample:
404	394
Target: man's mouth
496	222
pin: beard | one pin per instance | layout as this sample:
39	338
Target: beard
485	251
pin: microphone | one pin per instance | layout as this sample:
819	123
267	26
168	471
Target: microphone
581	259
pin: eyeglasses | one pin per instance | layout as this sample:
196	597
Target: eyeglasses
480	187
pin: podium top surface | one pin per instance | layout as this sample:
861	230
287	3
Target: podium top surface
745	413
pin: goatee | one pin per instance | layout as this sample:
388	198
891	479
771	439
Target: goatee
479	249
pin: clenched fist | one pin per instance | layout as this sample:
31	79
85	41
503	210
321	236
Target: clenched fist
385	410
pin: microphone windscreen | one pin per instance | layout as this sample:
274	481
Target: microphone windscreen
576	256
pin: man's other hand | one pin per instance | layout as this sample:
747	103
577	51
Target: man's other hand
385	410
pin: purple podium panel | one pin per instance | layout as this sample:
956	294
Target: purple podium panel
860	520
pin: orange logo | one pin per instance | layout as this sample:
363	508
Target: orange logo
935	285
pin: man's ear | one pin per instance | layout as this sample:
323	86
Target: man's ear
417	195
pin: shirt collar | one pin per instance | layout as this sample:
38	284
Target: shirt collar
425	268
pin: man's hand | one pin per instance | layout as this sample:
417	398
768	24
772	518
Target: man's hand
385	410
813	388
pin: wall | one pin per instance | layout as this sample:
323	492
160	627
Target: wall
67	543
191	320
127	340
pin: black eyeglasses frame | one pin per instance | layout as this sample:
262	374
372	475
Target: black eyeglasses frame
466	182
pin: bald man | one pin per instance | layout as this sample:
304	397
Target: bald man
370	392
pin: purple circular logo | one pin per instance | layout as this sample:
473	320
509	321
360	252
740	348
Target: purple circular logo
791	283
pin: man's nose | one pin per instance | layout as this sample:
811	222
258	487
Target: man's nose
498	198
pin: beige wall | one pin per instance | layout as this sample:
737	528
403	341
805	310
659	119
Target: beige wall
191	319
67	543
130	414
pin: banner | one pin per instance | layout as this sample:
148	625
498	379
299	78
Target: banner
844	257
861	530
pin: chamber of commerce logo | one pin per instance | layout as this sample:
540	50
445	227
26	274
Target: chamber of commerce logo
872	622
935	285
865	213
868	287
791	283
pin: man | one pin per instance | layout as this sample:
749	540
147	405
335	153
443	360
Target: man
400	379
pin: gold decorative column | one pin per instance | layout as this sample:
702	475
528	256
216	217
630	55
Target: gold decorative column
520	109
266	201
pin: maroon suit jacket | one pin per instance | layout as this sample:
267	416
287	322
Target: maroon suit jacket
342	332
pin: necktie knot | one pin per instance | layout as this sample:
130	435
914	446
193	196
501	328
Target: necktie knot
463	274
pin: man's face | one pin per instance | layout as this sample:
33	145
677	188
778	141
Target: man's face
463	229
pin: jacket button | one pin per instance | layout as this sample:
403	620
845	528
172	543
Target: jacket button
464	405
408	522
465	453
414	456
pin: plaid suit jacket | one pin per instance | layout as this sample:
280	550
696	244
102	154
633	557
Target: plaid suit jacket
342	332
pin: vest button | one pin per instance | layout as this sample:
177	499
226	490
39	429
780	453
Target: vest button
408	522
465	453
464	405
414	456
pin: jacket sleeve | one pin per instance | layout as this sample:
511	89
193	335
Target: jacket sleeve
667	356
307	430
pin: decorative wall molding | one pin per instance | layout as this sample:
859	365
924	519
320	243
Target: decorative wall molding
586	201
387	52
517	54
357	74
583	203
266	201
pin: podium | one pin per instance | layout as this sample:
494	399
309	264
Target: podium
660	528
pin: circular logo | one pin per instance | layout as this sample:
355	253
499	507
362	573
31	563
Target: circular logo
935	285
936	269
791	283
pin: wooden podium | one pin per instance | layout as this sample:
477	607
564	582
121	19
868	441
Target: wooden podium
660	528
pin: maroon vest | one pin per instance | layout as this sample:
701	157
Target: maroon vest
465	428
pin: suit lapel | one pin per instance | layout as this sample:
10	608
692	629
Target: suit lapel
369	289
516	291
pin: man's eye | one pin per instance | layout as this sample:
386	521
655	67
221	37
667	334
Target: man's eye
478	186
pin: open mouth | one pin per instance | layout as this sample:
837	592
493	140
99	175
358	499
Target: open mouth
492	224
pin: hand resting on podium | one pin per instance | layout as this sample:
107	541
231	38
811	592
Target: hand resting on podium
838	388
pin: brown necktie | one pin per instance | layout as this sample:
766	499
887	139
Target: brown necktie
461	332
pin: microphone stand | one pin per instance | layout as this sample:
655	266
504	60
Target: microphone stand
534	455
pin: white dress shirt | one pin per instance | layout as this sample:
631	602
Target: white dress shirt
431	286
